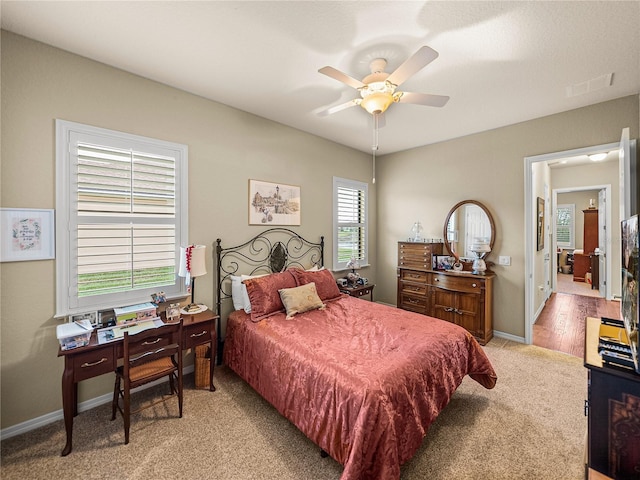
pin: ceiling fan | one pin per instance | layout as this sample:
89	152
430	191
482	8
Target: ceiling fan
378	89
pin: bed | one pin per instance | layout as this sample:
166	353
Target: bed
362	380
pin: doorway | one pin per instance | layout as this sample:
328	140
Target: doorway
541	265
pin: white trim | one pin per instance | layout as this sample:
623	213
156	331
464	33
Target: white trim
356	185
530	234
508	336
67	302
48	418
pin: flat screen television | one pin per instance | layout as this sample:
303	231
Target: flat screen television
630	277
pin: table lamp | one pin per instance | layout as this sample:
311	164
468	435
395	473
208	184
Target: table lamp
480	248
353	265
192	265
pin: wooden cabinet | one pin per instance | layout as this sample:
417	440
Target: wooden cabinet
582	261
460	298
414	261
613	427
463	299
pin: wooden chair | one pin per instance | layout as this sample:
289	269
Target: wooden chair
148	356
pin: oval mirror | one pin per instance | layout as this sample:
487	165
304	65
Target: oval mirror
468	222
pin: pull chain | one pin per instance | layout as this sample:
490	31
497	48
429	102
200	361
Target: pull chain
374	148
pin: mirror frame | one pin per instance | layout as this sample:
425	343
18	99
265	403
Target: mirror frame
484	209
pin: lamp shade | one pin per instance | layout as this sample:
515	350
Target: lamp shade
192	261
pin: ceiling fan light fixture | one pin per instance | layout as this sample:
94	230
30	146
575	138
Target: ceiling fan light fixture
377	103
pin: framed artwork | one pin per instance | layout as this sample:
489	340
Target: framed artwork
26	234
273	203
540	222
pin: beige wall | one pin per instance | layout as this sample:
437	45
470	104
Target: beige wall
226	148
424	183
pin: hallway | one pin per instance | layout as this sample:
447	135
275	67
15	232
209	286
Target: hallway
560	326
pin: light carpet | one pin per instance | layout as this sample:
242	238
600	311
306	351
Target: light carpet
530	426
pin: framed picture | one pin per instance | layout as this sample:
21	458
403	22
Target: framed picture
273	203
26	234
173	312
540	222
442	262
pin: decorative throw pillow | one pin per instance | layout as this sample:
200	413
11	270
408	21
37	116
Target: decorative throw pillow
325	283
263	293
300	299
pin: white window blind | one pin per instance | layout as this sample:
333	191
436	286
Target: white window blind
350	222
121	217
565	219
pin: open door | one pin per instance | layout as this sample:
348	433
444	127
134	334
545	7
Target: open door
628	176
602	242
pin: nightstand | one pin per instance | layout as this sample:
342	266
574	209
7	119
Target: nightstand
358	291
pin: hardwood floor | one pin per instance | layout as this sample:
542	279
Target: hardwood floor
561	323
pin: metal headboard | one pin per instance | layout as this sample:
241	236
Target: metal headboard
271	251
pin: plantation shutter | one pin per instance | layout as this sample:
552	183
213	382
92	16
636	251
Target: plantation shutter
122	207
351	222
113	184
564	225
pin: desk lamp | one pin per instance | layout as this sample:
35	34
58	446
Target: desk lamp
192	265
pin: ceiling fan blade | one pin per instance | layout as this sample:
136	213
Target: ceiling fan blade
338	108
341	77
423	57
424	99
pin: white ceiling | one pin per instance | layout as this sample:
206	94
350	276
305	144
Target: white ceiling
500	62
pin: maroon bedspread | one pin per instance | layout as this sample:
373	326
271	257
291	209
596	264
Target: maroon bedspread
362	380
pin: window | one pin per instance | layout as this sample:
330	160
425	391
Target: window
565	218
121	216
349	222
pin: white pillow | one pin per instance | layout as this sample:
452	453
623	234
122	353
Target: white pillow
236	292
314	269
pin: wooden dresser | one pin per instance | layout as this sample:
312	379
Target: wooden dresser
414	261
458	297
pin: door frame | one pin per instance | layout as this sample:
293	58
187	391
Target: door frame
607	222
530	231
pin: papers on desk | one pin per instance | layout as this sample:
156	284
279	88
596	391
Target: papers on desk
112	334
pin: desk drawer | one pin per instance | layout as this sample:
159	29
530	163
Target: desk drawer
94	363
197	335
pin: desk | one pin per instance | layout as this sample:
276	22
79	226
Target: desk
94	359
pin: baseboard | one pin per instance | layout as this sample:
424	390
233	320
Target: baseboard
48	418
508	336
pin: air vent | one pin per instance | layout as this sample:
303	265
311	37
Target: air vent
603	81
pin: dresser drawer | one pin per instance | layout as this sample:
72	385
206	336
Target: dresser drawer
196	335
413	288
93	363
413	276
415	303
459	284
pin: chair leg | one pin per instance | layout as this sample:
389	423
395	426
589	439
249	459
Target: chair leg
114	403
127	414
172	385
180	394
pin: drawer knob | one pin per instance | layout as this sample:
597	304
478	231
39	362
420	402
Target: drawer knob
93	364
437	279
195	335
153	342
474	284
